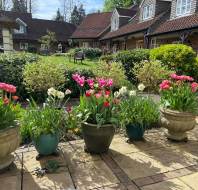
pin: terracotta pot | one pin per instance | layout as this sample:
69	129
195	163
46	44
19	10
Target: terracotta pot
9	142
177	123
97	140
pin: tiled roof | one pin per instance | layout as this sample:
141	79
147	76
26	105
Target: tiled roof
37	28
132	27
178	24
93	26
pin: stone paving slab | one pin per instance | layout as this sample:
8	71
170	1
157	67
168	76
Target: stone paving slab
152	164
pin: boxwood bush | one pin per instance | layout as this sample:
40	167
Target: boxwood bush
11	70
90	53
131	57
178	57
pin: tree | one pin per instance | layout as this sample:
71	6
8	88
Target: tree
109	5
77	15
48	40
59	16
19	6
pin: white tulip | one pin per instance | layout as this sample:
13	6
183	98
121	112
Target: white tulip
60	95
132	93
67	92
141	87
51	92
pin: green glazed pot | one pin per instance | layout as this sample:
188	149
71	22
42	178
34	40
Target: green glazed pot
46	144
97	139
135	132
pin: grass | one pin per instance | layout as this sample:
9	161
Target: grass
87	64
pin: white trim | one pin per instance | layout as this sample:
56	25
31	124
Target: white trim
22	22
25	47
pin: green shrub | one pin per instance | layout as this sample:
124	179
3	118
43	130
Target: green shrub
115	71
178	57
40	76
11	70
72	85
131	57
107	58
90	53
151	74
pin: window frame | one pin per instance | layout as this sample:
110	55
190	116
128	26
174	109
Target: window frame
147	12
183	7
25	47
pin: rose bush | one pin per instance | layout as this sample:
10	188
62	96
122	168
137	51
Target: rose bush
179	93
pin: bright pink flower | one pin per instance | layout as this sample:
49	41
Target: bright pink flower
182	77
79	79
101	83
194	87
8	88
88	93
98	95
109	82
165	85
90	83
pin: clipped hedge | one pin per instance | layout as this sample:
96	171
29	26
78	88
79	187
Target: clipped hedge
131	57
11	70
178	57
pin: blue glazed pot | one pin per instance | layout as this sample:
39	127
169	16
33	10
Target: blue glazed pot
46	144
135	131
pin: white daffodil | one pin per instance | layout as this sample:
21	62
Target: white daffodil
60	95
116	94
132	93
123	90
141	87
51	92
67	92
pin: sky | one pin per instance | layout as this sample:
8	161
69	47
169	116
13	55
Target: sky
46	9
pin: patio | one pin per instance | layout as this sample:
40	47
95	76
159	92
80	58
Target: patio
151	165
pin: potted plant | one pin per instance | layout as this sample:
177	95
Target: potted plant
98	112
9	127
179	106
137	114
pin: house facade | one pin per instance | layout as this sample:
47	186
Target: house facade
151	24
29	31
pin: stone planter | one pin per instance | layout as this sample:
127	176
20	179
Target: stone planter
177	123
9	142
97	140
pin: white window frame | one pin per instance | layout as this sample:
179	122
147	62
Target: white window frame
154	43
23	46
183	7
139	44
147	12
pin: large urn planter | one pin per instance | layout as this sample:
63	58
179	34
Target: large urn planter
46	144
177	123
9	142
135	132
97	139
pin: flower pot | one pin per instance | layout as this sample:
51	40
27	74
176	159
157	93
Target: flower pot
9	142
46	144
97	139
177	123
135	132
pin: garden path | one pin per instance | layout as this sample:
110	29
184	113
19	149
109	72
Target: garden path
155	164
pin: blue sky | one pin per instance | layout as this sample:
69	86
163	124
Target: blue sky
46	9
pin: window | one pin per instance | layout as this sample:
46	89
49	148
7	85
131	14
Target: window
139	44
22	30
44	47
183	7
23	46
147	12
154	43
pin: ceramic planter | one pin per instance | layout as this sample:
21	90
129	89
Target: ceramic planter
97	139
9	142
46	144
177	123
135	132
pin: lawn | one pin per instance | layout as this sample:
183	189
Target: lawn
87	64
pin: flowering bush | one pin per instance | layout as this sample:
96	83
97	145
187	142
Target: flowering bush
8	110
179	93
97	105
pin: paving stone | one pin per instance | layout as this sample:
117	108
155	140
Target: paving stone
10	183
191	180
173	184
76	154
60	181
143	181
138	165
92	175
115	187
30	163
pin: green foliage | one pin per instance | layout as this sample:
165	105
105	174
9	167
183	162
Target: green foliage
59	17
77	15
139	110
38	121
39	77
109	5
130	58
178	57
90	53
11	70
151	74
114	71
19	6
107	58
8	115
